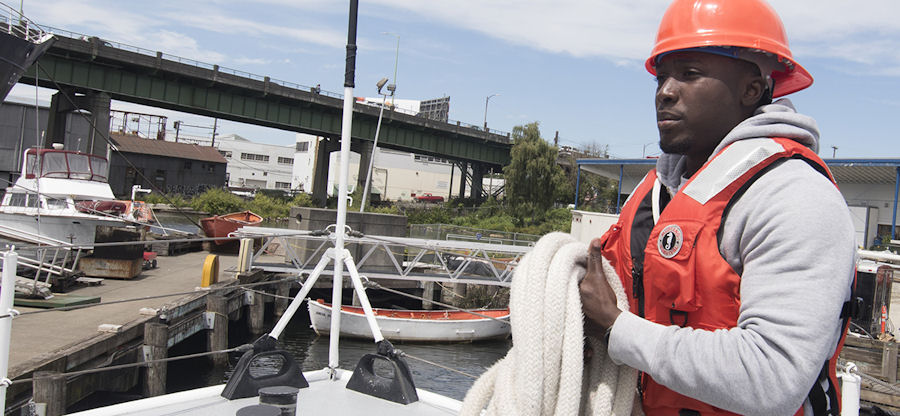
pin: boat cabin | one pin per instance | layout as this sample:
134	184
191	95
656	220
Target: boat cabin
64	164
56	179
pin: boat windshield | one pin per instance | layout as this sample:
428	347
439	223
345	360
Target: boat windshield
65	164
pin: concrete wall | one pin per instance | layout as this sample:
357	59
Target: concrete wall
880	196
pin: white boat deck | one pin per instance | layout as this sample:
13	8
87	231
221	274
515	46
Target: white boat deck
322	396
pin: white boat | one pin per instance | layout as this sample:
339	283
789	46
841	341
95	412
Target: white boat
56	198
414	325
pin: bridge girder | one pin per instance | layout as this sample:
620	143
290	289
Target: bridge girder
133	77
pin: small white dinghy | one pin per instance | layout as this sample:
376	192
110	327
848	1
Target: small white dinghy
414	325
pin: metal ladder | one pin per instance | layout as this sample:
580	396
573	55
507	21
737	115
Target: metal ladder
52	257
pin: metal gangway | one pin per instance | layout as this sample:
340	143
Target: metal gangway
51	258
385	257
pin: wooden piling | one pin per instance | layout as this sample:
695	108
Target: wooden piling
49	389
156	337
256	316
427	293
283	290
453	293
217	306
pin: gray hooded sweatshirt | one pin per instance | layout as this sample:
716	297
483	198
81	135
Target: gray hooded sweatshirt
791	239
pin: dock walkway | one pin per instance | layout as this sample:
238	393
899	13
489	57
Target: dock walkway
42	338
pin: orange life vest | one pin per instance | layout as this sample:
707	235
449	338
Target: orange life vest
661	280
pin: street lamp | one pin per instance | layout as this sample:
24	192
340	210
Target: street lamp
396	60
486	101
391	88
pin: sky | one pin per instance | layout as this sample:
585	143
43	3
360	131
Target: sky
573	66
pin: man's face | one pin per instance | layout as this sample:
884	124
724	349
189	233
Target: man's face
698	101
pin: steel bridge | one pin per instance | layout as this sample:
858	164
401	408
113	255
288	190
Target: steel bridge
92	66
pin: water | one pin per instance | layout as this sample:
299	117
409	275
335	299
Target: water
471	358
177	221
311	351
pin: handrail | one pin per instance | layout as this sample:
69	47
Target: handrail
19	26
33	238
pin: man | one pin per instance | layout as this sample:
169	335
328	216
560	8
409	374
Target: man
737	252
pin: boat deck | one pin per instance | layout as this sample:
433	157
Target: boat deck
322	396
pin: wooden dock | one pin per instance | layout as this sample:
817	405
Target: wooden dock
119	333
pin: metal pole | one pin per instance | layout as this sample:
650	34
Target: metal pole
894	215
215	125
619	192
362	204
7	293
577	185
347	121
396	60
452	168
486	101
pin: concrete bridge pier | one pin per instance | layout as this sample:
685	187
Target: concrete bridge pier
476	191
320	171
463	172
67	101
364	148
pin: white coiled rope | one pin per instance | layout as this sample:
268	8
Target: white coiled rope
545	372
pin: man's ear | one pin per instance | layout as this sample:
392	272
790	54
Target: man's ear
753	91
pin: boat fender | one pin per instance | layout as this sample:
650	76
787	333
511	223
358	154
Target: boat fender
243	383
399	388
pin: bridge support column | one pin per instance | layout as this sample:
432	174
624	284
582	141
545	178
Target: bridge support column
60	107
65	102
477	182
99	104
463	169
365	149
320	172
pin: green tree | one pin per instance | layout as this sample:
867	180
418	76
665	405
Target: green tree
218	201
534	179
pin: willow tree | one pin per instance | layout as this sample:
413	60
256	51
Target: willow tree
534	179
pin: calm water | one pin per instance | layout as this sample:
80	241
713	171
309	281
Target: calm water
470	358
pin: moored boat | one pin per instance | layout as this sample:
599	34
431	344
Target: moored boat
220	226
54	196
414	325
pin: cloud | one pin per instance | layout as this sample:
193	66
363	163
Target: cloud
179	44
866	35
219	23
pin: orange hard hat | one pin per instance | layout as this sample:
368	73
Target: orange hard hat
752	24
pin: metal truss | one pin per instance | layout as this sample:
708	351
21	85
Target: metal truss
400	258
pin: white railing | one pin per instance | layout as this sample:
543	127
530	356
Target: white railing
399	258
17	25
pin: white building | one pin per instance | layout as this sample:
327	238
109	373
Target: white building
395	175
253	165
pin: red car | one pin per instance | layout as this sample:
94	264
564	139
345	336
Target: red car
429	198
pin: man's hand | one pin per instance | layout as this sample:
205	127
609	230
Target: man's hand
597	297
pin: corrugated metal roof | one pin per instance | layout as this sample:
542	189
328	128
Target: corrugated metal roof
134	144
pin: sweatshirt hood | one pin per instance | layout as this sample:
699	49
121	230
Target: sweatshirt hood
778	119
